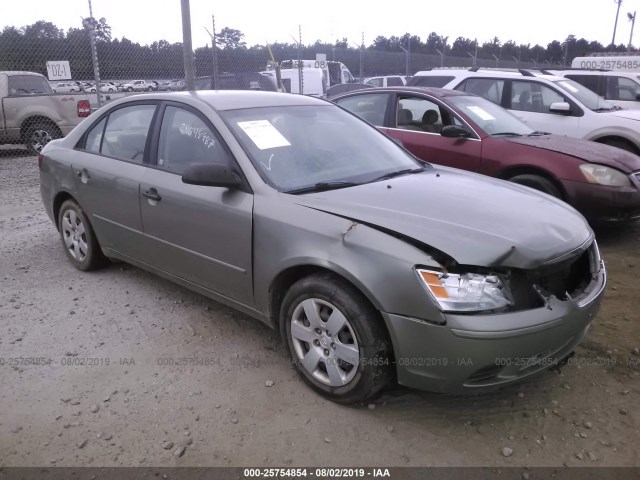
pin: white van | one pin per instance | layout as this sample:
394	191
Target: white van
313	81
334	72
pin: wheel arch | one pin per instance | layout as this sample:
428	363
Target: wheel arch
617	138
511	172
290	275
32	120
58	200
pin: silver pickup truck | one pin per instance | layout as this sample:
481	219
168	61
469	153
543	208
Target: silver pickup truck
31	114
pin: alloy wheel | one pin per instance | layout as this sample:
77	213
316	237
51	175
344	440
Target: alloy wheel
74	235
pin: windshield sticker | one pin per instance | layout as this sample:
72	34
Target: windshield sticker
482	113
201	134
568	86
263	134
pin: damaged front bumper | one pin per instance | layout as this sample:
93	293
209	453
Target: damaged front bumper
471	353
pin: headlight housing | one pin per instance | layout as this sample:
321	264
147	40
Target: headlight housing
601	175
466	292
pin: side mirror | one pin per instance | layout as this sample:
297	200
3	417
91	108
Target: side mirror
455	131
211	175
560	107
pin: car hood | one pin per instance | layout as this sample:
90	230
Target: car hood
583	149
474	219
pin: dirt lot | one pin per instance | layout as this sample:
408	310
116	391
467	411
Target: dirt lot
107	394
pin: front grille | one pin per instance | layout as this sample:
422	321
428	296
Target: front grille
570	277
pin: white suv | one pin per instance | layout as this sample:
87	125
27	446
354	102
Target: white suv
547	103
619	88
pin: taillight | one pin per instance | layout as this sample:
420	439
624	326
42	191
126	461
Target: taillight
40	160
84	108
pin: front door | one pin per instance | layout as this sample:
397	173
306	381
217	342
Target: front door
200	234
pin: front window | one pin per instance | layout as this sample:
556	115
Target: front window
622	88
297	147
490	117
533	97
185	140
589	99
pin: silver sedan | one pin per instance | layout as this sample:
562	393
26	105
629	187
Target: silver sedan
372	265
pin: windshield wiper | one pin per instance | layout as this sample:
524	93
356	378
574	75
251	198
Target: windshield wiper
513	134
538	133
605	109
323	186
397	173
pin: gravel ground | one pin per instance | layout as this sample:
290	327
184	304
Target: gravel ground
107	394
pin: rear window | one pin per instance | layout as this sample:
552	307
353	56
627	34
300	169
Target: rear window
430	81
28	85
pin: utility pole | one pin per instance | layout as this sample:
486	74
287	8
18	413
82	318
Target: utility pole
632	18
214	53
615	26
187	50
94	54
407	52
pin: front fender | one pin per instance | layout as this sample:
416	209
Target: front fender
381	266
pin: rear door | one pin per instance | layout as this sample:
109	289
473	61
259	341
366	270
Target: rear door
200	234
108	165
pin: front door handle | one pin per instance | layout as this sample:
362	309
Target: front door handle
152	194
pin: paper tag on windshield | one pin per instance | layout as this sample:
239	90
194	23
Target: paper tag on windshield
263	134
483	114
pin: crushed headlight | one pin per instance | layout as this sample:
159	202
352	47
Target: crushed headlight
602	175
467	292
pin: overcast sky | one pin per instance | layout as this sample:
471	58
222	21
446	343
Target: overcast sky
523	21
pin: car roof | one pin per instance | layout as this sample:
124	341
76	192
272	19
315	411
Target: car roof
231	99
433	91
487	73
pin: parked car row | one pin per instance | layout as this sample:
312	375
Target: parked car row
112	87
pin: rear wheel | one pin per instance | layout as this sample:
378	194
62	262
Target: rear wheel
78	238
537	182
38	134
336	339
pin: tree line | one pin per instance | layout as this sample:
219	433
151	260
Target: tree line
30	47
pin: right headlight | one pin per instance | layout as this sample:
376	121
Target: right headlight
602	175
467	292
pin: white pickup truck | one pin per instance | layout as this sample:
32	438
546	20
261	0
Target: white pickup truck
31	114
139	86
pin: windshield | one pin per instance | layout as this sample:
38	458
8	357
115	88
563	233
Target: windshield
491	118
297	147
588	98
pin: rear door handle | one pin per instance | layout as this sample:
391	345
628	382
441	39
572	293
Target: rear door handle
152	194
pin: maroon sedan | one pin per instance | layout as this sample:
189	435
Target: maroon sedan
465	131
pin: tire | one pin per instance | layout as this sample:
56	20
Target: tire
622	144
130	89
78	239
537	182
38	134
149	89
353	365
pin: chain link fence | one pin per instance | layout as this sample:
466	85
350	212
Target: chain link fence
51	79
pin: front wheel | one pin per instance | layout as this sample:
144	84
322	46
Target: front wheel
78	238
537	182
130	89
336	339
